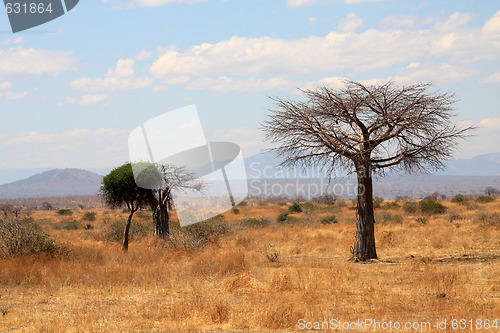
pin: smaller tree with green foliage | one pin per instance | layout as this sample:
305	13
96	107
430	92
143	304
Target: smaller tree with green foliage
119	188
429	206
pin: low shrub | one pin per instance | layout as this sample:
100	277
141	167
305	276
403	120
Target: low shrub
341	203
70	225
65	212
235	211
421	220
208	231
377	202
331	219
243	203
282	203
295	208
489	219
459	198
89	216
22	236
286	218
307	206
271	253
484	199
391	205
386	217
410	207
430	206
255	222
471	205
282	217
454	215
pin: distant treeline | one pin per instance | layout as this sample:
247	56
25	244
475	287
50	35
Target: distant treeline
53	203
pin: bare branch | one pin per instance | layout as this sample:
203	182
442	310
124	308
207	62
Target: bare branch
385	126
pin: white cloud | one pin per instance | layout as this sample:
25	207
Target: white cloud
250	139
329	82
21	63
143	55
5	85
80	147
492	26
350	24
160	88
14	95
13	41
258	60
119	78
93	99
88	99
349	2
442	73
454	22
406	21
124	68
493	78
492	123
7	93
225	84
26	138
77	132
267	56
313	20
174	80
484	139
298	3
110	84
156	3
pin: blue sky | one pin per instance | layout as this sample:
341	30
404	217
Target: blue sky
73	89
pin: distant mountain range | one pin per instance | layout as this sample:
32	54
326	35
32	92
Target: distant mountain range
481	165
53	183
475	174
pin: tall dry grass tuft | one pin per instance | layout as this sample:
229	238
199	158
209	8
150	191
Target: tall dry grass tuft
281	314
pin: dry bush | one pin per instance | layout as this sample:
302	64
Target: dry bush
489	219
253	222
200	234
21	237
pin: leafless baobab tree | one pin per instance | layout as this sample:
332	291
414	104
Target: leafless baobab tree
366	129
171	177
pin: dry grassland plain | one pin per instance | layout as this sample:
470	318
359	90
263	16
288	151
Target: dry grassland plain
260	275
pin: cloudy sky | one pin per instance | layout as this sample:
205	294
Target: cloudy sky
73	89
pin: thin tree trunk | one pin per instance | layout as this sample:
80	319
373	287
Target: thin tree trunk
364	244
127	231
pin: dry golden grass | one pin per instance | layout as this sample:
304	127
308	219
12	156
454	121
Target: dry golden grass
258	279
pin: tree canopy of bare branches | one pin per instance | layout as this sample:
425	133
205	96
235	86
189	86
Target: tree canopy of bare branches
367	129
163	179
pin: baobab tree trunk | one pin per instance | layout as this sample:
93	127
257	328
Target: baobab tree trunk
127	231
160	220
364	244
